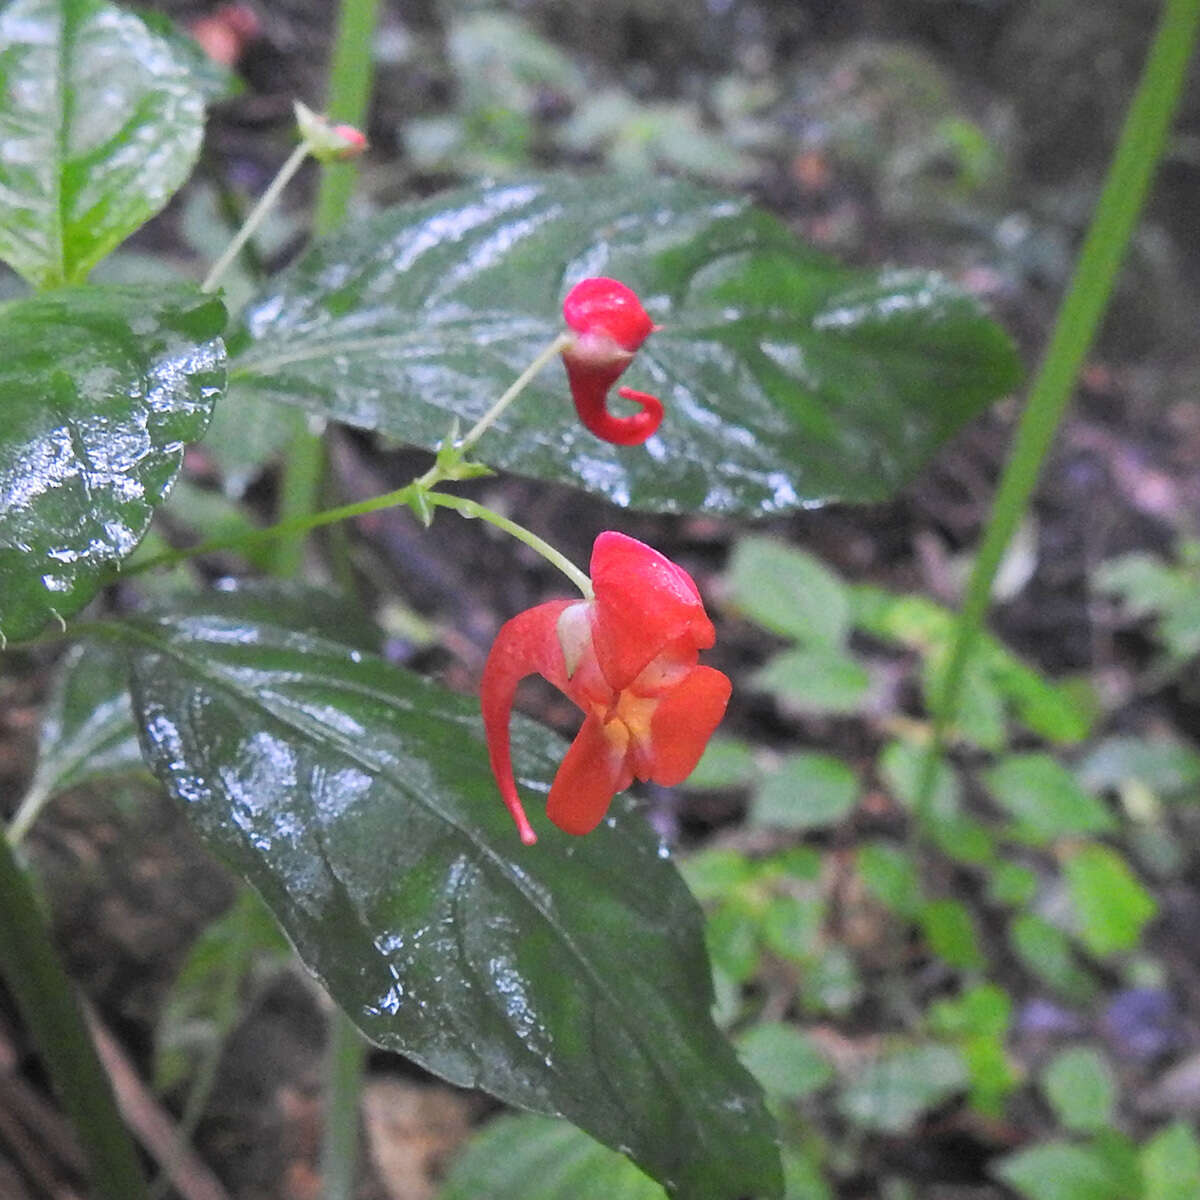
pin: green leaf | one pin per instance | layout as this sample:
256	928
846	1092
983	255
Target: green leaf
725	763
950	932
1060	1171
815	681
792	926
891	877
891	1093
1112	905
789	592
803	1176
101	122
1170	1164
357	799
806	791
101	388
1011	884
832	982
784	1060
1046	951
985	1009
1044	799
535	1158
204	1004
87	725
1169	768
786	378
1081	1089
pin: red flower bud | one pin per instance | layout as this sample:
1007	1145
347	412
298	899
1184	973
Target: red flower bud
628	660
611	324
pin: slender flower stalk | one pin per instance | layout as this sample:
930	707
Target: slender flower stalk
258	213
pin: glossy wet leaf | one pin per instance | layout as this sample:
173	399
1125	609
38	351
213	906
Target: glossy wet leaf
567	978
787	379
100	119
535	1158
101	389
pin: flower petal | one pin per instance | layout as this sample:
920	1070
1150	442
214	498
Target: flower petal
684	721
526	645
643	603
592	772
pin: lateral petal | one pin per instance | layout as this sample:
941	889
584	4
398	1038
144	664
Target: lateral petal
683	722
590	775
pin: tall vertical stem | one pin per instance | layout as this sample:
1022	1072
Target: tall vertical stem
351	73
1125	187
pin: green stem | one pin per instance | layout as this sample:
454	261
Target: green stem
351	74
469	508
343	1084
46	999
519	384
266	202
1137	154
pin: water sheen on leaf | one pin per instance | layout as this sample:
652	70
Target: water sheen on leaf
568	978
101	388
100	119
787	379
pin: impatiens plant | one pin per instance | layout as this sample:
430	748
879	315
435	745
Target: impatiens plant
568	977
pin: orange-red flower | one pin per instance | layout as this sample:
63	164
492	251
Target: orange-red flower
628	660
611	324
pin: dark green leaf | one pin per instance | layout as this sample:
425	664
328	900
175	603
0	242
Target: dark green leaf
1044	799
535	1158
101	388
1080	1087
787	379
101	121
566	978
1111	904
892	1092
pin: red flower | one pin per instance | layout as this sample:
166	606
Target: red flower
611	324
628	660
